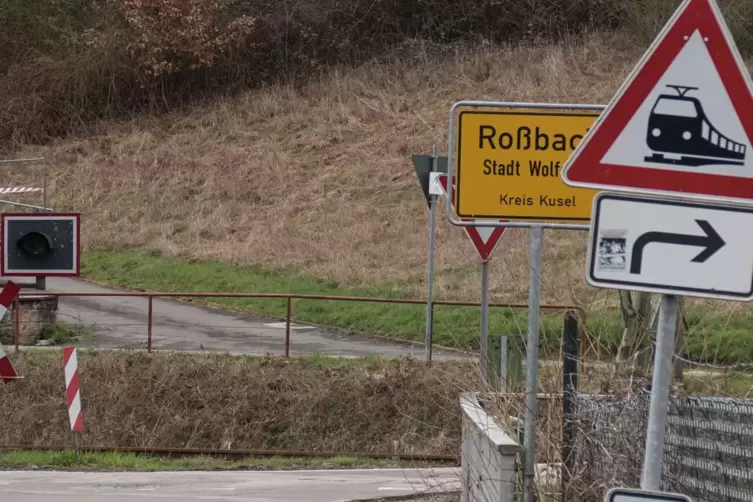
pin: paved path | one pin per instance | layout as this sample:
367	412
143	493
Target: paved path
121	322
246	486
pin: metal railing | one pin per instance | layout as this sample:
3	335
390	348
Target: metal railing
288	297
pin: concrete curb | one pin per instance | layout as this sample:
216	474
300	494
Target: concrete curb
415	496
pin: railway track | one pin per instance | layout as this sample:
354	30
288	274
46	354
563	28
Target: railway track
239	454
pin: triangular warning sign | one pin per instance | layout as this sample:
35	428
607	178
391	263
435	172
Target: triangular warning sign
484	239
681	122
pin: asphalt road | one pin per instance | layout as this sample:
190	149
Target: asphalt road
247	486
121	322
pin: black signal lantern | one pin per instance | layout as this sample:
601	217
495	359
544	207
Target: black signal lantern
35	244
40	244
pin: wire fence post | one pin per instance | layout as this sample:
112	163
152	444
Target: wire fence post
288	313
150	302
570	370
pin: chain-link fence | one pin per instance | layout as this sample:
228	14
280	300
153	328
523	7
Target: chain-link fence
708	446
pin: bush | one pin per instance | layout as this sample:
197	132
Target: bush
179	35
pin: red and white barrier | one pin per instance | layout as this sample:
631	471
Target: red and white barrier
72	394
15	190
7	372
7	295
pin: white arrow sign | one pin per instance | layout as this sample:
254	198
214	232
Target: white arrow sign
671	247
633	495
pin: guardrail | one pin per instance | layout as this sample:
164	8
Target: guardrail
288	297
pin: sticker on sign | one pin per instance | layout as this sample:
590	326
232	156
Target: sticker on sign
671	246
635	495
435	187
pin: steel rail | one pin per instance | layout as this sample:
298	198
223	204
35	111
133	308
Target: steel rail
183	452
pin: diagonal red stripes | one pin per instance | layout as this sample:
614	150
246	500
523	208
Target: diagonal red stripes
9	292
7	295
7	372
72	392
67	353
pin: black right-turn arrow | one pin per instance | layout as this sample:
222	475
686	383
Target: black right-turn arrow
712	242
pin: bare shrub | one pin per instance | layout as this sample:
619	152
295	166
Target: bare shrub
175	35
223	401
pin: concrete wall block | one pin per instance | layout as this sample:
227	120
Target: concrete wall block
488	460
37	312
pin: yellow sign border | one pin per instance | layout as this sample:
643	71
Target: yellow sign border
514	109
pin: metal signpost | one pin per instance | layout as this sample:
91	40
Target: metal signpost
485	240
425	178
508	158
679	126
428	168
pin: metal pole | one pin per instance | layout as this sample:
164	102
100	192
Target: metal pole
288	309
532	359
21	204
484	342
149	317
503	363
657	414
430	271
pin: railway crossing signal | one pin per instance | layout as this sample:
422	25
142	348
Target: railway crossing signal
681	122
40	244
484	239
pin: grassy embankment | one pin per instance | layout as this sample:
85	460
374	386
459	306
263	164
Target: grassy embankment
308	186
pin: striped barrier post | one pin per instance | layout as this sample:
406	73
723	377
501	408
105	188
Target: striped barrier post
73	394
7	295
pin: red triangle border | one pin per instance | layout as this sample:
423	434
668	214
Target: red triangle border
586	169
484	249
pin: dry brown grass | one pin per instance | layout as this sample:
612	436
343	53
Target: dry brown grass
319	178
220	401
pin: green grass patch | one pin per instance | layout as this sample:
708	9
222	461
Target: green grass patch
61	334
112	461
712	337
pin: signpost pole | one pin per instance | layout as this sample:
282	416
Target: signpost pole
659	406
430	272
484	342
532	359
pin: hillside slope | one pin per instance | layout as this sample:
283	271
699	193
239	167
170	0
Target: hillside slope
319	178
